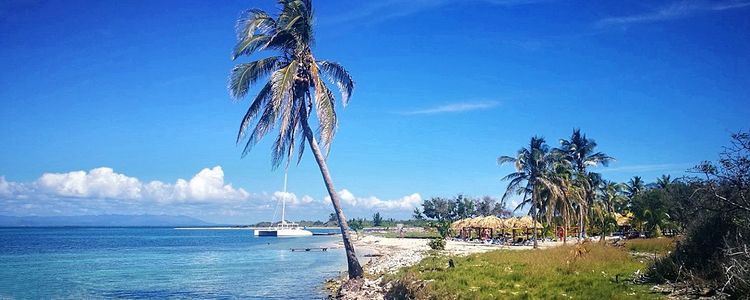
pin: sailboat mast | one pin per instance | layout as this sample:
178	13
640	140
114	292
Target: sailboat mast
283	199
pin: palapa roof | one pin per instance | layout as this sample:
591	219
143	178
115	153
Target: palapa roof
495	222
623	220
458	225
527	222
490	222
510	222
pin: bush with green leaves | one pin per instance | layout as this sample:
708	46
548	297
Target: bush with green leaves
437	244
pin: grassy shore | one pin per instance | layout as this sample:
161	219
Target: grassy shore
593	271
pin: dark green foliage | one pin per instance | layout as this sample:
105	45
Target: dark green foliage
714	251
356	224
437	244
417	215
441	212
377	220
464	208
488	206
439	209
650	209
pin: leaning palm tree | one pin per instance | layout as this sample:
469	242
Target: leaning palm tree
532	179
294	93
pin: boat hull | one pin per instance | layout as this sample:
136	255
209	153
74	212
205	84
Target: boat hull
283	232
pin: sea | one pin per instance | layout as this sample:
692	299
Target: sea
162	263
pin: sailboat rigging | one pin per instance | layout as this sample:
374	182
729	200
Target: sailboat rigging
283	228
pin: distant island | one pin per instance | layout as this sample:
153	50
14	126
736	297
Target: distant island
101	221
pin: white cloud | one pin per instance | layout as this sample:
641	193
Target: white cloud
97	183
5	189
676	10
104	183
291	198
4	186
306	199
408	202
204	195
454	108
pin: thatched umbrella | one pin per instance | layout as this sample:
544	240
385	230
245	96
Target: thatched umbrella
527	223
458	225
491	222
509	223
512	224
623	220
472	223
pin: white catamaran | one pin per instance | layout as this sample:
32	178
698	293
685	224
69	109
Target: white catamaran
283	228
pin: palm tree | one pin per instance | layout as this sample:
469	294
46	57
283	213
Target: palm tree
572	197
580	152
664	181
611	194
532	179
294	89
634	187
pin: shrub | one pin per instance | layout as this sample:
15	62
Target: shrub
437	244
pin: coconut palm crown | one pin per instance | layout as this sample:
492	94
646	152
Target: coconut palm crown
579	150
295	85
294	89
532	179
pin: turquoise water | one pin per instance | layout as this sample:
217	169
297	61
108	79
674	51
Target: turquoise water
145	263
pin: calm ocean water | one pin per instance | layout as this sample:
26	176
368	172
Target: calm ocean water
145	263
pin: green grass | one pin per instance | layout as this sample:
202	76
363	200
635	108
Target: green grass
653	245
556	273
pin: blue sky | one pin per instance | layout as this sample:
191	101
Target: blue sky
122	107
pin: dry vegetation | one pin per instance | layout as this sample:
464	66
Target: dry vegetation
655	245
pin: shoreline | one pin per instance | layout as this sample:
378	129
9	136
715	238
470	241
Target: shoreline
391	254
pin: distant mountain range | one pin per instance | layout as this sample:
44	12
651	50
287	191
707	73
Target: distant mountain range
102	220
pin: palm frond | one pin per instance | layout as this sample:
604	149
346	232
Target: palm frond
264	124
260	100
505	159
339	76
245	75
324	107
250	45
253	20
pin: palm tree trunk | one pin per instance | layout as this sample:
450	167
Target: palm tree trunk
354	268
535	215
580	223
